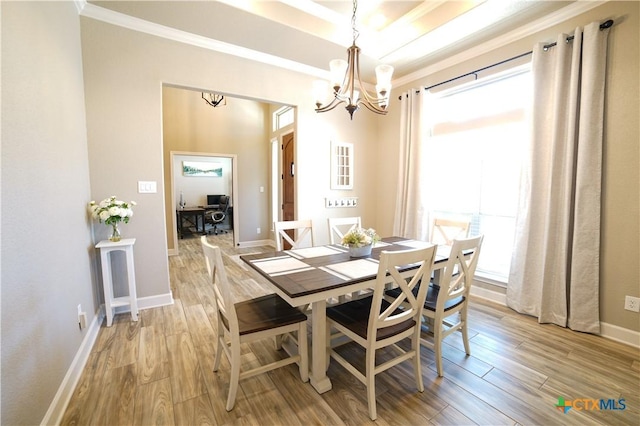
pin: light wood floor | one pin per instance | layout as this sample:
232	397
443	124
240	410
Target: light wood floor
159	370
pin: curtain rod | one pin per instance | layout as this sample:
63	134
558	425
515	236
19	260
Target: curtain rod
603	26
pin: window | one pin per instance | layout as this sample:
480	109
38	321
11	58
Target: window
283	117
481	130
341	165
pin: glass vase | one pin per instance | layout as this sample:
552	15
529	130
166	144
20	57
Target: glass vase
115	233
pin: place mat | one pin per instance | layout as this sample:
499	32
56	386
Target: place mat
280	265
353	268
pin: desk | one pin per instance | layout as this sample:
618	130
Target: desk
313	275
190	212
106	247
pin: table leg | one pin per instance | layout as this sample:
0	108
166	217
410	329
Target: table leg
319	350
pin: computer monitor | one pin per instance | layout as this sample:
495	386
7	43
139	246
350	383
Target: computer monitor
213	199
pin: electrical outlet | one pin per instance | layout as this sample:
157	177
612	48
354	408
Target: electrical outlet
257	230
82	318
632	303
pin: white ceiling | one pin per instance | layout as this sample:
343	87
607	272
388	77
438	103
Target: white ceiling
410	35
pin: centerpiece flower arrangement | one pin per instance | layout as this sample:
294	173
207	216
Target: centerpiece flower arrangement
360	241
112	211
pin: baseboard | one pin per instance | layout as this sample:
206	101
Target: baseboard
608	331
60	401
619	334
256	243
148	303
493	296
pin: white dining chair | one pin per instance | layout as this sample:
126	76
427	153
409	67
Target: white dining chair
255	319
376	322
445	230
338	226
445	308
300	233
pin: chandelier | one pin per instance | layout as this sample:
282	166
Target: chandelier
344	77
214	99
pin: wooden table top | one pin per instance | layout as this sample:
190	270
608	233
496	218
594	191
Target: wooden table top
303	272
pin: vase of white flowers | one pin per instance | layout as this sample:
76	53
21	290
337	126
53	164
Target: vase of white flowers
360	241
112	211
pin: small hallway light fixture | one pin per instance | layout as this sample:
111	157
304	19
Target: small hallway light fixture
344	77
214	99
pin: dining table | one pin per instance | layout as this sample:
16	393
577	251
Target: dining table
313	275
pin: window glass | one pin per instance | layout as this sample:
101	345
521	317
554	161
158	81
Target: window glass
283	117
472	162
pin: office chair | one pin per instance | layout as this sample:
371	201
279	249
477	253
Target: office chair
219	215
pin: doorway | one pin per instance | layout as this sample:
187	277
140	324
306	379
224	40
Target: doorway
193	191
288	177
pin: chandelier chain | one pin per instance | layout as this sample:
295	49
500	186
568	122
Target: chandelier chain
356	33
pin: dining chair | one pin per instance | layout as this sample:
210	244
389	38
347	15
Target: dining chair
376	322
444	230
338	226
299	235
451	298
255	319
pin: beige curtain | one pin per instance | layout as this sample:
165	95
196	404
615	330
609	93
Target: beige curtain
555	266
410	219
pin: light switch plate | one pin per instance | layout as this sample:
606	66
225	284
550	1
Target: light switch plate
147	187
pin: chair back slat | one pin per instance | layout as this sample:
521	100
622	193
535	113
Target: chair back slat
444	231
303	233
339	226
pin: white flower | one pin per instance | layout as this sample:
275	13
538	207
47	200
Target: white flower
359	237
111	210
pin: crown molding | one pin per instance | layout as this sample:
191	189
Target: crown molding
136	24
550	20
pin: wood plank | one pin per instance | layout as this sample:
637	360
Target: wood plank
154	405
186	377
195	411
117	400
153	361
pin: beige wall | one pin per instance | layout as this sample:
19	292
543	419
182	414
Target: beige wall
124	75
47	248
620	273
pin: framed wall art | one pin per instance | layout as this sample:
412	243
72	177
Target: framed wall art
201	168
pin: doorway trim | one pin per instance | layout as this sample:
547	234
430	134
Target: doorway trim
234	189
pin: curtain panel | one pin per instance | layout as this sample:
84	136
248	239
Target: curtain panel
555	267
410	220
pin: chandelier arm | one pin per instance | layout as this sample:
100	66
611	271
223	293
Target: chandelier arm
370	102
334	103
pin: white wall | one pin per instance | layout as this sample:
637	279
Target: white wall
195	189
47	248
